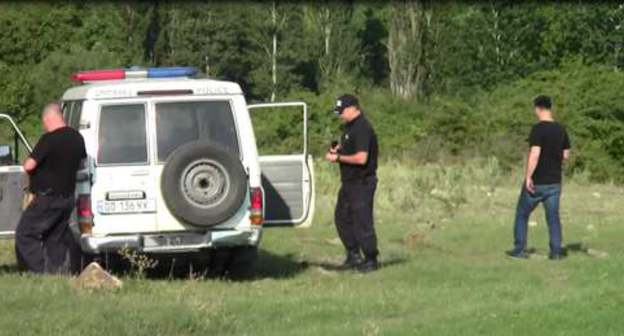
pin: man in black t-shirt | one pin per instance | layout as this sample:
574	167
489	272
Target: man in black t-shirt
549	147
42	237
357	155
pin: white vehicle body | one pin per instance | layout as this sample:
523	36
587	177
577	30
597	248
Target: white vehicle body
126	203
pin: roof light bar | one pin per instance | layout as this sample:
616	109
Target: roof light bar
95	75
171	72
117	74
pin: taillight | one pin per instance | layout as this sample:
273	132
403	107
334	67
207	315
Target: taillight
85	215
257	207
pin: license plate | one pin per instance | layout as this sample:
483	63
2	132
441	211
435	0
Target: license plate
125	207
175	240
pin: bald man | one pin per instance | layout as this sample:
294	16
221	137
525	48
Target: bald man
42	237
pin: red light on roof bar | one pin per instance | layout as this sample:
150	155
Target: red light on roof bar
94	75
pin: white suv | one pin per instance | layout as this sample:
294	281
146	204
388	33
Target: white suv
172	166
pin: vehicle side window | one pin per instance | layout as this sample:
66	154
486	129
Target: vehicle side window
72	112
122	137
67	110
74	121
178	123
12	149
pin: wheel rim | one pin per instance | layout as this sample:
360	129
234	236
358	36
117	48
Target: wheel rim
205	183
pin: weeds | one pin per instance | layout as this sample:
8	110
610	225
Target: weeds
139	263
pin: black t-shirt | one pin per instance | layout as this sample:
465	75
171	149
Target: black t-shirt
553	139
58	155
359	136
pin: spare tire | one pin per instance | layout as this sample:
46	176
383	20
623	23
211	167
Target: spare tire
203	185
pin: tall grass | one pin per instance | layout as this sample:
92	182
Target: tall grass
414	197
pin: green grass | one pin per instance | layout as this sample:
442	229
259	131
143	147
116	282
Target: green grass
442	232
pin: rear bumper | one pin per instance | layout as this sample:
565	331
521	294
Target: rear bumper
177	242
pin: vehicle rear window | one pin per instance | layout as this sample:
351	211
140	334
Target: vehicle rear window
122	138
183	122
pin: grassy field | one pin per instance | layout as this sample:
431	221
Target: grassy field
442	230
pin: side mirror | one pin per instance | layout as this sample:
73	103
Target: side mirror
6	157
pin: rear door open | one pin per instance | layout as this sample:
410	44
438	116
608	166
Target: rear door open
287	171
13	149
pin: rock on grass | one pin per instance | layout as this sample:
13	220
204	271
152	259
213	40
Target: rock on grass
94	277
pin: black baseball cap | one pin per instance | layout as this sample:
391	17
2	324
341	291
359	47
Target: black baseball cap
344	101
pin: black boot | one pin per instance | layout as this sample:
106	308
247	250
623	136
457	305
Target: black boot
353	260
369	265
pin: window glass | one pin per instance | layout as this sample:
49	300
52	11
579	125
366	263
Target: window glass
12	149
74	121
72	111
122	138
183	122
67	109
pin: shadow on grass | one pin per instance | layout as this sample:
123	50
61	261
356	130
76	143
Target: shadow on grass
575	248
275	266
333	267
193	266
199	266
9	269
206	265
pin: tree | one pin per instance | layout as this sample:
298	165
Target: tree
409	26
332	39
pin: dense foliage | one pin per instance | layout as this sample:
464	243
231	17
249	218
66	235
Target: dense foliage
439	79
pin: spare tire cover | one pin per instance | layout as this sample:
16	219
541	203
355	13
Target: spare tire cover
203	185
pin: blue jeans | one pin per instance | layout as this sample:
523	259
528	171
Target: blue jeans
549	196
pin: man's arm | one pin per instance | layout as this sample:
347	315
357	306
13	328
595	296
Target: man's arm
566	154
29	165
532	161
359	158
39	153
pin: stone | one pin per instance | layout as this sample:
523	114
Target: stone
95	277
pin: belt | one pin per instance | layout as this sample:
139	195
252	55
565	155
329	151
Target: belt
52	193
363	180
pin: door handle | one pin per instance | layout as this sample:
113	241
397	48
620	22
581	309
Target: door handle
140	173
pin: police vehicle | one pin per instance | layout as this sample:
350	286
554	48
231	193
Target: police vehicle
172	166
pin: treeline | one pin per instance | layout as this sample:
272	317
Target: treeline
438	78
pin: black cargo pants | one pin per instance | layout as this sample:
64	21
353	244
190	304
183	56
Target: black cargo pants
43	237
354	217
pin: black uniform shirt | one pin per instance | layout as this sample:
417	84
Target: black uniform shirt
58	155
359	136
553	139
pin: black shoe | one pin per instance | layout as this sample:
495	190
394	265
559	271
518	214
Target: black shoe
353	261
557	256
369	265
517	254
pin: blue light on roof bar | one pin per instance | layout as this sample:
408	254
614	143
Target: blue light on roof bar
171	72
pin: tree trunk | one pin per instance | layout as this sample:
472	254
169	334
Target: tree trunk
407	48
274	53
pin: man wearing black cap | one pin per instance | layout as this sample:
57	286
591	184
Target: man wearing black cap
357	155
549	147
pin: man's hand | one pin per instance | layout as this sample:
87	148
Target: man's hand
331	157
528	184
